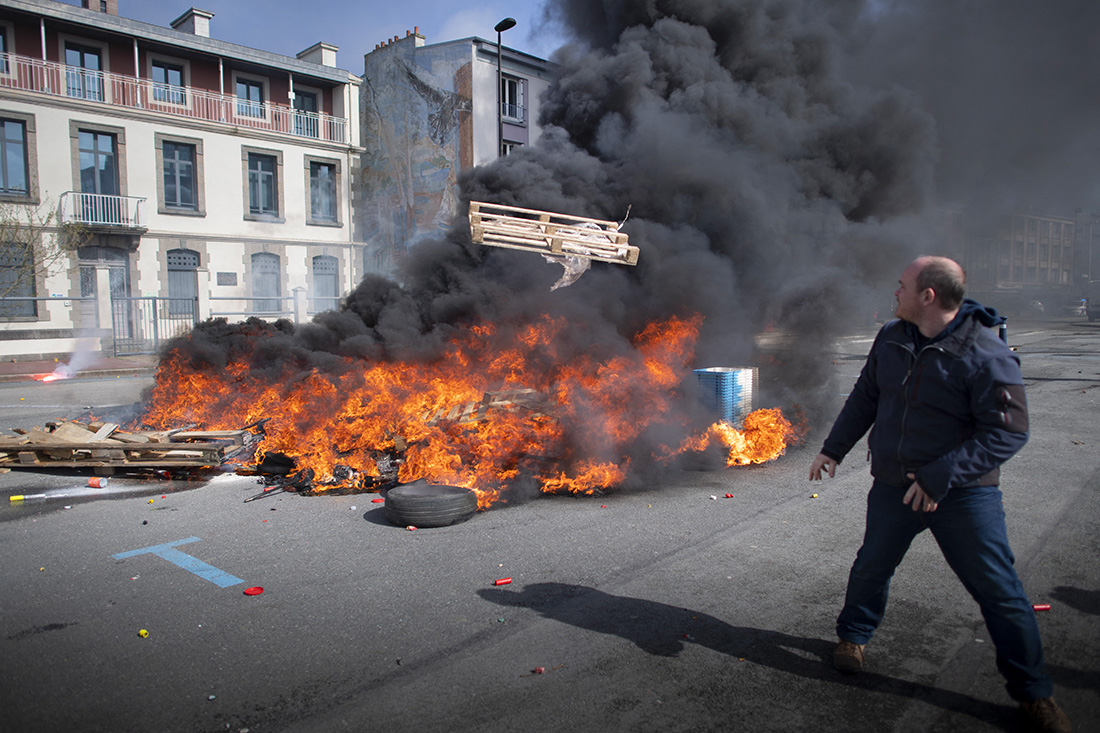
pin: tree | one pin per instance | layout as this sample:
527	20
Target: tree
33	243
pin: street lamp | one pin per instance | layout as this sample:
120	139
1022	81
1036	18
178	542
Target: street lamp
500	28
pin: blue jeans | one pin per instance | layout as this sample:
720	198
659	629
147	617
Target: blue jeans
969	527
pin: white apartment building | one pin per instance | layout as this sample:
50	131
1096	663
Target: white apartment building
204	178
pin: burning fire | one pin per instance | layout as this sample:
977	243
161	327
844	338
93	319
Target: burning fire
579	434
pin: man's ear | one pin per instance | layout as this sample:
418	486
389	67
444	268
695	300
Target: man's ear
927	296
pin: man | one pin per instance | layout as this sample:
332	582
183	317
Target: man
946	399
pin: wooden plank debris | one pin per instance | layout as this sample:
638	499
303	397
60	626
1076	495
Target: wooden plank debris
550	233
105	445
508	399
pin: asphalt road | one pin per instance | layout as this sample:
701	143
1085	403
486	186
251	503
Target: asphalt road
662	609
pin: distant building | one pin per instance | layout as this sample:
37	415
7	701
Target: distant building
430	111
212	178
1015	260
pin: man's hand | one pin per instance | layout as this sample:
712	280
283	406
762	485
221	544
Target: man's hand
915	496
822	462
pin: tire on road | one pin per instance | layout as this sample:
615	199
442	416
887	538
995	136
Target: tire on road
429	505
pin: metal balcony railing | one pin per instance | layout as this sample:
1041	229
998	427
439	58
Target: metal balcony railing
48	77
513	112
95	209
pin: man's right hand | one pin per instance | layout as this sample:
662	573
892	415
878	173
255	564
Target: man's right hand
822	462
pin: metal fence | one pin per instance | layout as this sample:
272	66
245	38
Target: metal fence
141	325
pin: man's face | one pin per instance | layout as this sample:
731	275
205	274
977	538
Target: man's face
908	295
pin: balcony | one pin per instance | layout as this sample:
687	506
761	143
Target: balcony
514	113
102	211
47	77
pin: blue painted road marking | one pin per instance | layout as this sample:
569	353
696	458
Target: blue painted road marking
191	564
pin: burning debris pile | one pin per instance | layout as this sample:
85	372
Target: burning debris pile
762	186
496	412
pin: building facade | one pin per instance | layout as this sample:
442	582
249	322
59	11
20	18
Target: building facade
430	111
198	177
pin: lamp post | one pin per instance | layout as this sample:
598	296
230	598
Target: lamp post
500	28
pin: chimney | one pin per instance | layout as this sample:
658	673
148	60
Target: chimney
194	21
320	53
110	7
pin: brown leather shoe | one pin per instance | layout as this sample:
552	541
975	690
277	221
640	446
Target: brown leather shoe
848	656
1045	715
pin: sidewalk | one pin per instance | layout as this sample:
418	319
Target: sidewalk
129	366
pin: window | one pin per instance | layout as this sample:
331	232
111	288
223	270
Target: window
4	50
265	282
507	148
183	284
14	176
167	82
179	176
98	165
84	79
511	99
325	283
263	199
306	121
322	191
17	281
250	98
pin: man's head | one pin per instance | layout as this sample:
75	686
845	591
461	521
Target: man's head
930	289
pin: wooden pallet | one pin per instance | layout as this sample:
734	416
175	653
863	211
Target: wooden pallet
509	399
550	233
100	445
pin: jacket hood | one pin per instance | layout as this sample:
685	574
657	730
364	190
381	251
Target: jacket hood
986	315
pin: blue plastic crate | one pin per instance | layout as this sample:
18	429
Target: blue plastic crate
727	391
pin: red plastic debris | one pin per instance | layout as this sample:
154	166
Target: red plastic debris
253	591
603	506
376	501
1041	607
411	528
539	670
729	496
502	581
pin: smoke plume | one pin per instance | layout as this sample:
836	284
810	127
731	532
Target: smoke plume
769	194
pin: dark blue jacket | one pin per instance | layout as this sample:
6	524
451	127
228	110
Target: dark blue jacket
950	410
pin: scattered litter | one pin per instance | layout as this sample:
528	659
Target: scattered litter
254	590
143	634
813	496
23	497
500	620
68	506
353	508
377	501
212	697
713	497
1041	607
150	501
689	637
97	482
41	570
603	506
729	496
411	528
541	670
502	581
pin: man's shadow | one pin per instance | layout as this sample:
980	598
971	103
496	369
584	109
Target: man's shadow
664	630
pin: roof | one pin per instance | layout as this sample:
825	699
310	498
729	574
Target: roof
105	23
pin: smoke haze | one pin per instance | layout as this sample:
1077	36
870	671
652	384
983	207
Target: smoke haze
781	158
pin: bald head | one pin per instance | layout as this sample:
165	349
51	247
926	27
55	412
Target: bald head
946	279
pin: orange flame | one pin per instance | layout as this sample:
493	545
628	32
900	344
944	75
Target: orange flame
569	422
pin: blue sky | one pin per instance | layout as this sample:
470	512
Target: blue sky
289	26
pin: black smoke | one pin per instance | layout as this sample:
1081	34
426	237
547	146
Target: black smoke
769	193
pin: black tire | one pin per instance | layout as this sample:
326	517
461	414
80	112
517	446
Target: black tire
428	505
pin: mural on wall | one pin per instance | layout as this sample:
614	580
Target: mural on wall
416	109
